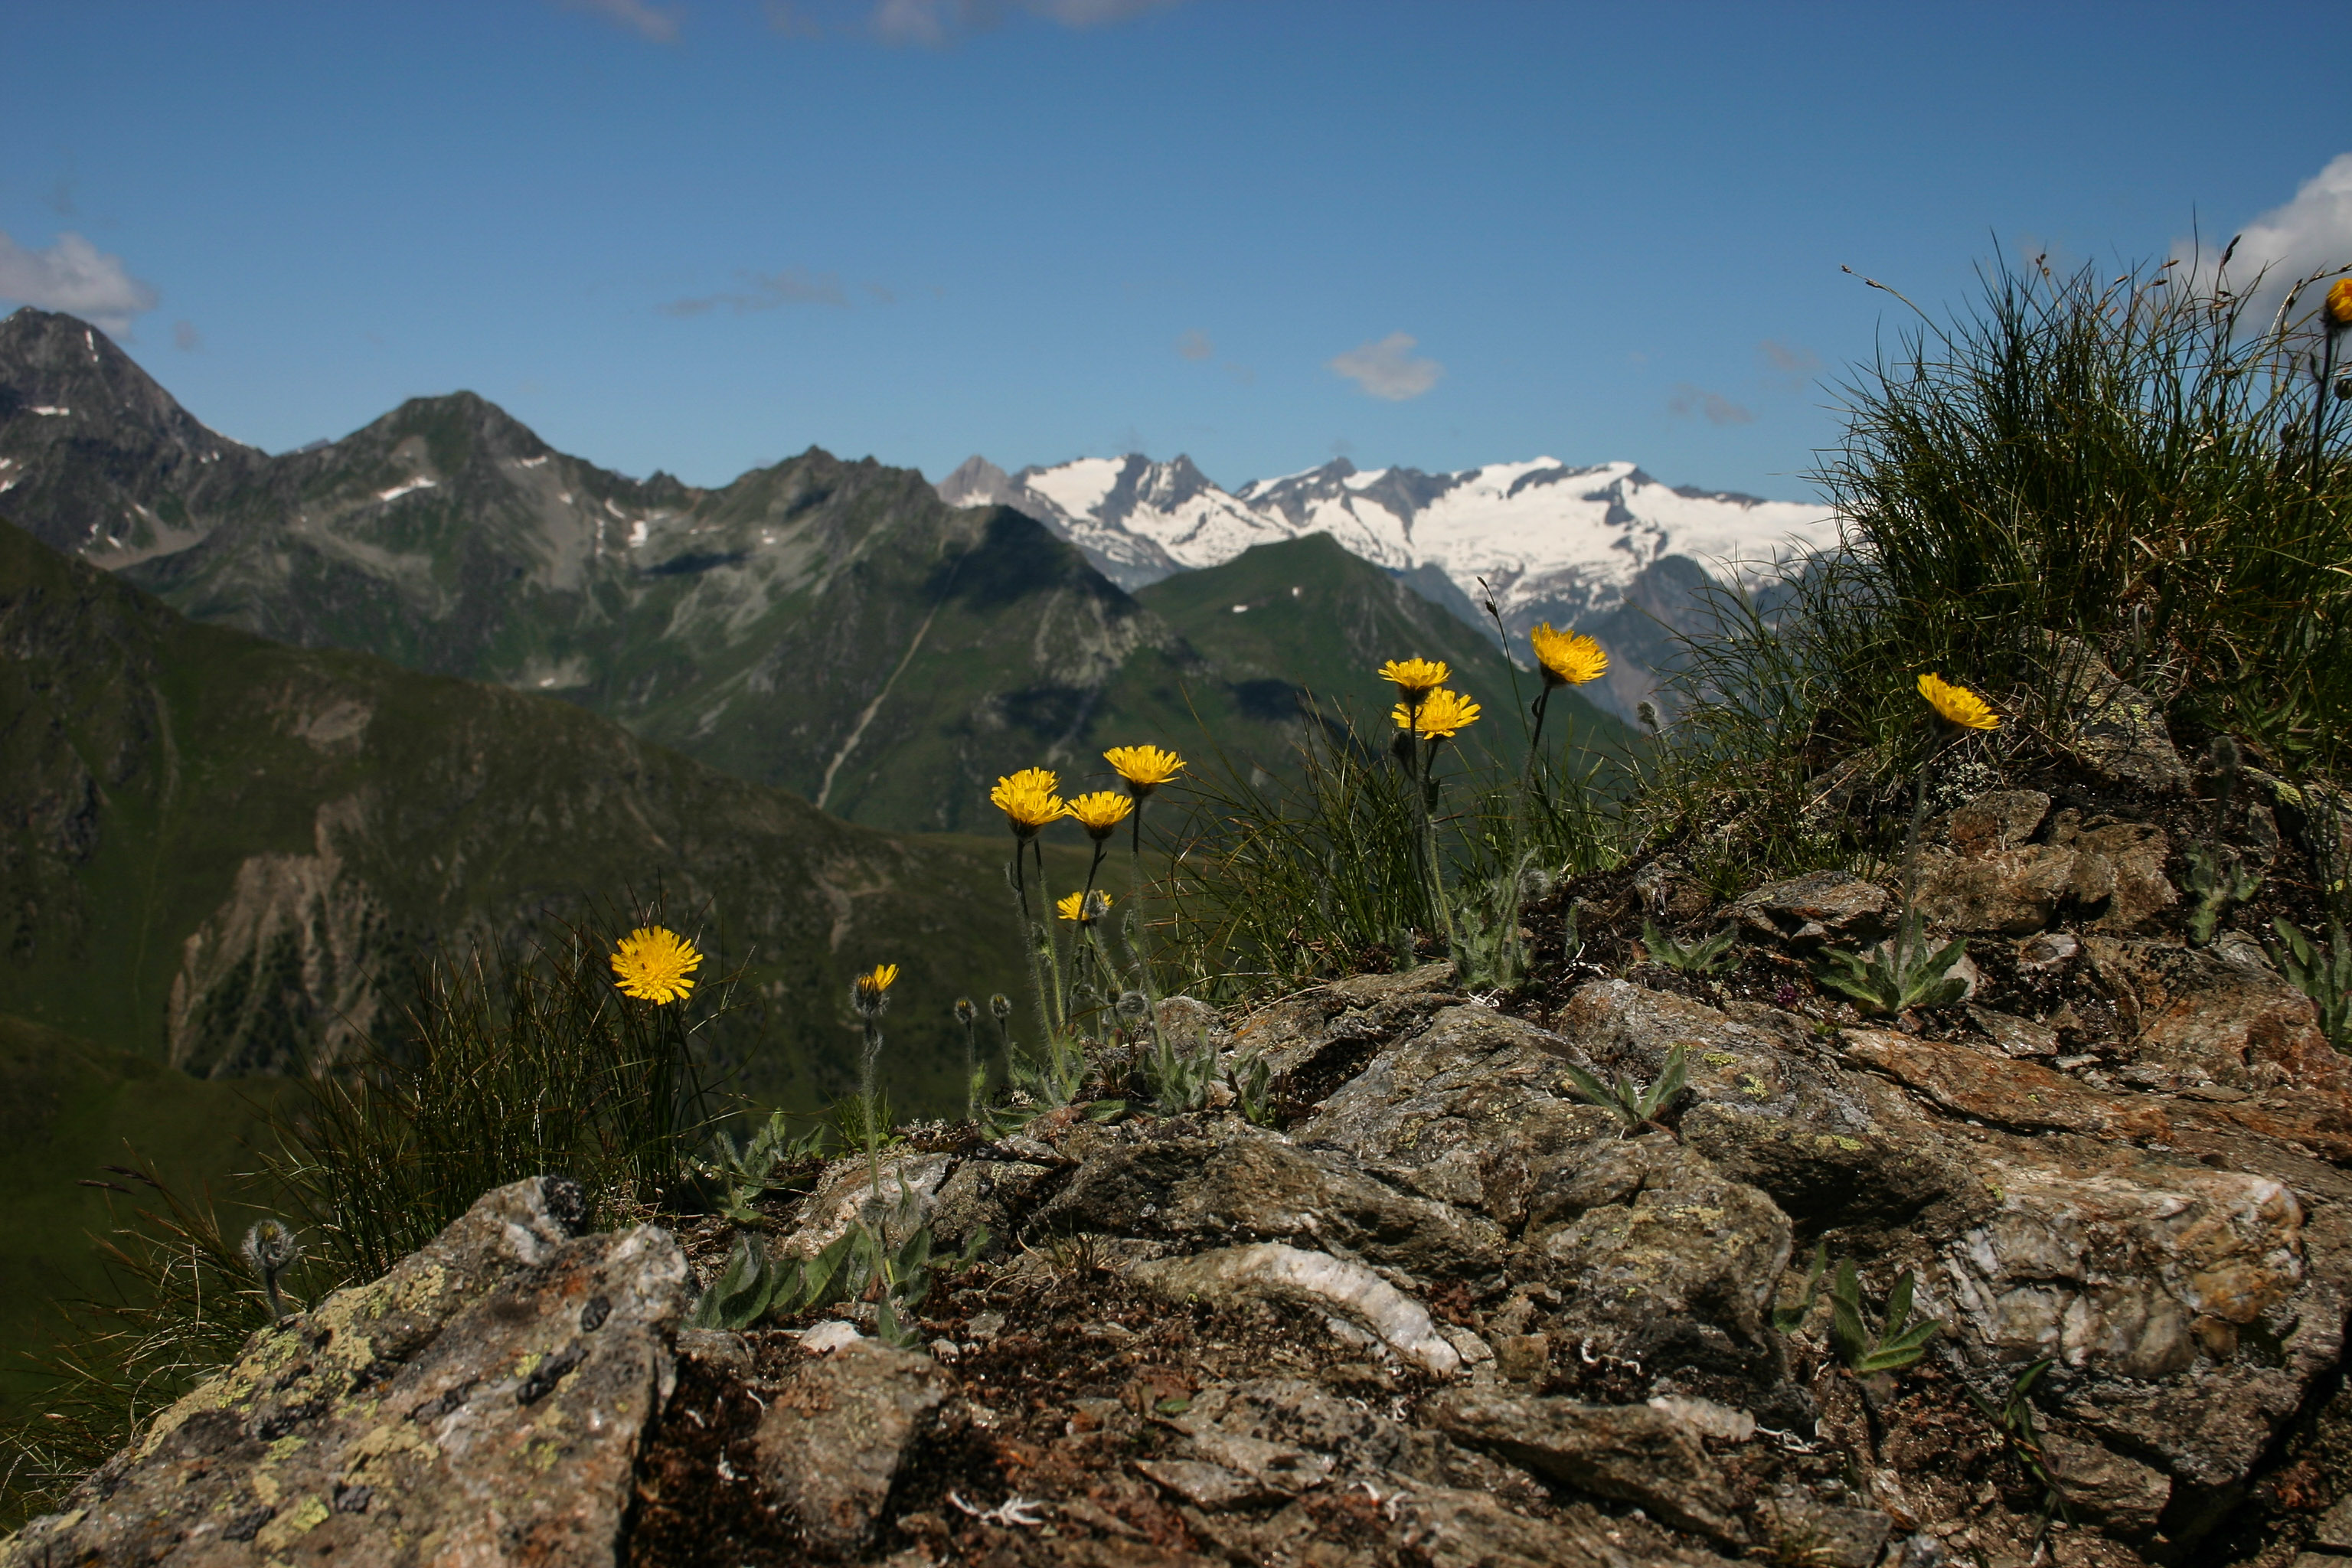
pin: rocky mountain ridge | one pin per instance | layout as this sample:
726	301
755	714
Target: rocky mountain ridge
828	627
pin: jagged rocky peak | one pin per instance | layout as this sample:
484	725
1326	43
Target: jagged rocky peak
143	469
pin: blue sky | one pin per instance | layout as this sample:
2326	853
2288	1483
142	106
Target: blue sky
703	236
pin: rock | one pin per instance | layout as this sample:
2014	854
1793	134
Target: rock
992	1193
829	1336
1316	1040
1821	906
2214	1017
2014	891
2128	859
909	1196
2334	1529
1313	1279
1659	1257
1825	1145
2108	1488
2002	819
1454	1527
2016	1036
1628	1452
1523	1358
485	1400
1235	1182
831	1440
1460	1111
2115	729
1800	1529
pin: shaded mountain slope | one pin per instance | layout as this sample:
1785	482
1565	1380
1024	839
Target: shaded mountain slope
220	851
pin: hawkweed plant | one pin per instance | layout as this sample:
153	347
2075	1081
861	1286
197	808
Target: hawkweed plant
869	996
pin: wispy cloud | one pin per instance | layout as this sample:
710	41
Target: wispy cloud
1788	359
766	292
185	338
936	23
648	22
1195	345
2313	231
1713	407
75	277
1388	369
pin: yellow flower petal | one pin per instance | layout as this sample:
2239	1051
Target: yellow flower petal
1101	812
1028	800
1569	658
1958	704
1443	712
1145	768
652	963
2339	302
1415	675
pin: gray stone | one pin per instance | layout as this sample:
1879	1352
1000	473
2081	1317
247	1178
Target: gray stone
1208	1487
2016	1036
729	1352
2108	1488
1628	1452
2335	1530
2015	891
1462	1111
2115	728
992	1193
832	1439
2002	819
1233	1182
1830	1146
1821	906
485	1402
1818	1534
1455	1527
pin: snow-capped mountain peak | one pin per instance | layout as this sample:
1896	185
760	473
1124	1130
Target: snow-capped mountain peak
1550	541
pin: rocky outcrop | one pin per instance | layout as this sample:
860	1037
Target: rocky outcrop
1450	1311
485	1403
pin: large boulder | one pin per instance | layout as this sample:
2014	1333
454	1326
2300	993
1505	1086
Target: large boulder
485	1402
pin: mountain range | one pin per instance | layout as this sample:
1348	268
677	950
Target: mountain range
829	626
1606	548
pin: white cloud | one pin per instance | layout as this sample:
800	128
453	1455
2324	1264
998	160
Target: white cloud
1195	345
934	24
646	21
2308	233
766	292
1713	407
1388	370
75	277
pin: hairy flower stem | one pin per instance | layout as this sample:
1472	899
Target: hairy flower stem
1048	951
869	1113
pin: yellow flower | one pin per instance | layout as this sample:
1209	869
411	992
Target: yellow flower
1145	768
874	982
1415	675
1028	800
1084	906
652	963
1101	813
1958	703
1569	658
2339	302
1442	712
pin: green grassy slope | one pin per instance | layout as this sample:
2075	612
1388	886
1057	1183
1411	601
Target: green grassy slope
217	850
1305	618
67	1109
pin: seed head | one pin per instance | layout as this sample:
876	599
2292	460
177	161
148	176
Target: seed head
965	1011
1001	1005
